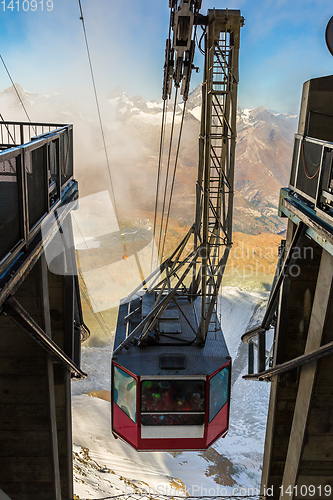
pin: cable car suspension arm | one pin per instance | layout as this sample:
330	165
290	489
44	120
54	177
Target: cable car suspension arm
179	52
157	310
214	203
212	230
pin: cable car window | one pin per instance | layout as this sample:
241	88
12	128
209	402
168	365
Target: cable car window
124	392
173	395
173	419
218	392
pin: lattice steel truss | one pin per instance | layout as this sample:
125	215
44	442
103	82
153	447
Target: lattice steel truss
195	269
217	142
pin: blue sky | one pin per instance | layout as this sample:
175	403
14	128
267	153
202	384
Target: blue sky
282	45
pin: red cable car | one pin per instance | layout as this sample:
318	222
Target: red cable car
170	394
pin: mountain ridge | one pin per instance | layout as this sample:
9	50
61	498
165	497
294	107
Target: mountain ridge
132	132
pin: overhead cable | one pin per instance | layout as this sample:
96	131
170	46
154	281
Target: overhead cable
8	131
173	179
17	92
167	171
160	156
200	40
100	122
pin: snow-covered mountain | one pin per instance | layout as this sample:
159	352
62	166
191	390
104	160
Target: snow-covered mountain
263	160
263	157
132	131
104	466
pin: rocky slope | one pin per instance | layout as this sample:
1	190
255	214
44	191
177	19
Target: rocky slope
263	159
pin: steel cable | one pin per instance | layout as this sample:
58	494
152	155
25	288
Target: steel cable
101	124
167	171
164	115
304	167
8	131
17	93
173	178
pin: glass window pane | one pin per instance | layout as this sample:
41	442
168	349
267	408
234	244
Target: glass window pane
124	392
218	392
10	228
173	395
35	165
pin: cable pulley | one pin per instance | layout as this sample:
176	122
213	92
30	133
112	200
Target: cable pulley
178	66
179	52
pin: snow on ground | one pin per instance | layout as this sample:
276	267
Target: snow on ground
107	466
239	311
96	362
243	445
127	469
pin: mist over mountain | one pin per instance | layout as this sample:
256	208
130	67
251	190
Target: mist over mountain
132	128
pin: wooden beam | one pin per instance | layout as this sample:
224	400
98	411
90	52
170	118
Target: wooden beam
19	316
53	434
321	303
271	418
46	319
266	470
64	419
44	296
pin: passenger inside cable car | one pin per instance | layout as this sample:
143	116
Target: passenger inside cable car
175	397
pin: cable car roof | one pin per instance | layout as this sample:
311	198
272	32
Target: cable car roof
166	358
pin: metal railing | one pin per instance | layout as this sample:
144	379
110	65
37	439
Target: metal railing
311	171
311	185
18	133
34	179
265	356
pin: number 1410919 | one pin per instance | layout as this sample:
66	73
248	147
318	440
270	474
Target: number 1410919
26	5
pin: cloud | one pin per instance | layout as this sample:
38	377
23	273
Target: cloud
47	51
